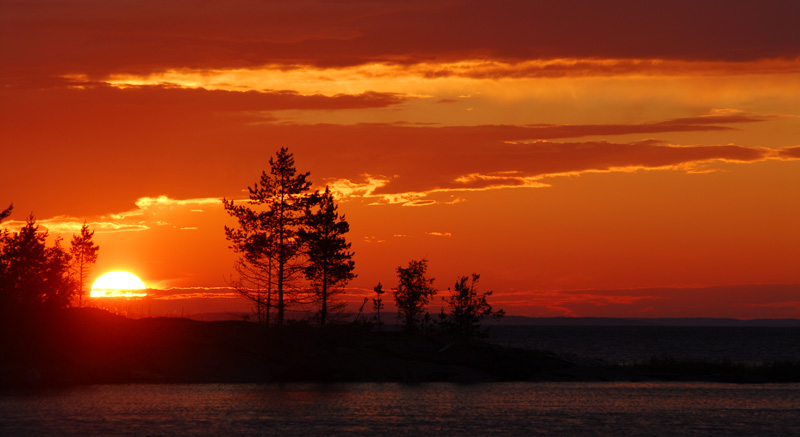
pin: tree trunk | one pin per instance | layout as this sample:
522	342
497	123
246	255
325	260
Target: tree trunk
324	314
281	260
80	283
269	288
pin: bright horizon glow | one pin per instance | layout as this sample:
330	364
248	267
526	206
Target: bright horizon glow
118	284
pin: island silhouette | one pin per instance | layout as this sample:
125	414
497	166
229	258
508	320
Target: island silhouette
292	250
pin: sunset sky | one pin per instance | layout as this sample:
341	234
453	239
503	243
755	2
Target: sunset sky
618	158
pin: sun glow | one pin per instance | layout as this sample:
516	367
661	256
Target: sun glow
118	284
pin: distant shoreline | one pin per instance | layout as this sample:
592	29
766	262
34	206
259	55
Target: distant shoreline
575	321
90	346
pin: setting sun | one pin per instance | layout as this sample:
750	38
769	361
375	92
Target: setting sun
118	284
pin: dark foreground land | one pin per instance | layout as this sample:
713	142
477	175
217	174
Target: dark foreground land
86	346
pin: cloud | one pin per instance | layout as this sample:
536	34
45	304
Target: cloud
108	155
790	152
165	202
167	98
344	188
459	159
72	225
440	234
150	212
592	67
525	164
98	38
176	293
415	202
735	301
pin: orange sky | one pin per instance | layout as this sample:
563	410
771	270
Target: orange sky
617	158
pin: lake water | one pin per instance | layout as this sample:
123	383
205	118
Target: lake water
629	344
521	408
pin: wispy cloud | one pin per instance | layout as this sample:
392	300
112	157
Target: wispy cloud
71	225
149	212
739	301
319	87
527	165
789	152
145	203
177	293
440	234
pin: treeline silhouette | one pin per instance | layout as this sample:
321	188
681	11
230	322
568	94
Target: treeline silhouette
35	276
293	251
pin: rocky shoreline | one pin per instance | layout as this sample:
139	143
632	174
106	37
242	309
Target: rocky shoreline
86	346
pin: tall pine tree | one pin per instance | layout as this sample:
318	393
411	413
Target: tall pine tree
84	255
330	262
267	234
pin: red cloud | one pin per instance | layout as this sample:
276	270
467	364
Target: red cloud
737	301
151	141
790	152
172	98
511	165
571	67
98	37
